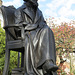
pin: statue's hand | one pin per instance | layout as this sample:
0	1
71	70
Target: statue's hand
25	24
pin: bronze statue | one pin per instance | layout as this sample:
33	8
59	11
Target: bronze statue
40	53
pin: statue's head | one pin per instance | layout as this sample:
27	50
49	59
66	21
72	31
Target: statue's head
34	2
31	0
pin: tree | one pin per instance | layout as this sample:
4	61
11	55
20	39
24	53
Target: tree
64	40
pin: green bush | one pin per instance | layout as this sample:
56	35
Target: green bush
2	49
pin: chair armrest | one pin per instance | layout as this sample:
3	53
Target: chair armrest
17	26
12	25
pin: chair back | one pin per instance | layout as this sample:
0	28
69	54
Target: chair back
9	18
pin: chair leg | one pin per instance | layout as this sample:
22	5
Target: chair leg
18	59
22	59
7	59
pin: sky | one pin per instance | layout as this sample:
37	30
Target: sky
50	8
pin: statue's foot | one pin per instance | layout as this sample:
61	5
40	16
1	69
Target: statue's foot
49	66
53	67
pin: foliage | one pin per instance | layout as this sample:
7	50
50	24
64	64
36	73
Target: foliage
2	49
74	71
64	38
13	60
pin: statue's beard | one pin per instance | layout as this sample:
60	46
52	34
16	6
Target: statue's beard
32	4
35	4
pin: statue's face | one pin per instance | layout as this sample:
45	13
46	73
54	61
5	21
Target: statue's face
32	2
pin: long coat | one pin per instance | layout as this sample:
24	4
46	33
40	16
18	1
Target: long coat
39	40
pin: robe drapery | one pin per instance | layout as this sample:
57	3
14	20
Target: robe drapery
39	40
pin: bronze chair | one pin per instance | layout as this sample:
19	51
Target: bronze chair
14	41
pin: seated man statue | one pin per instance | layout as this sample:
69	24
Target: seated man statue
40	53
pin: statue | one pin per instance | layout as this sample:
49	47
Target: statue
40	53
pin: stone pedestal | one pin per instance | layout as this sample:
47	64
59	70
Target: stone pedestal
17	71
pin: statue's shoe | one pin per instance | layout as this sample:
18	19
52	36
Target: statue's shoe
49	66
52	67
